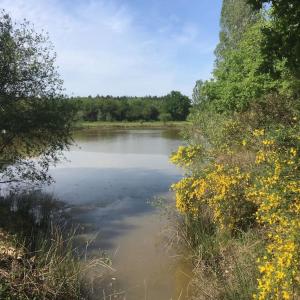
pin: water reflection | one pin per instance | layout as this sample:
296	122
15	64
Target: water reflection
124	141
107	183
30	214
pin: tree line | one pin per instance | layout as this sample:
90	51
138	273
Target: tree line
172	107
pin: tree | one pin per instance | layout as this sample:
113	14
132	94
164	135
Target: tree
177	105
246	68
197	95
239	77
165	117
35	119
282	35
150	112
236	17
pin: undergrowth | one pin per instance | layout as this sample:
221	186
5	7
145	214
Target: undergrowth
239	201
39	258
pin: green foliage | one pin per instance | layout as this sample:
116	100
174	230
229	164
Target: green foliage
247	178
197	96
282	33
34	118
116	108
131	109
165	117
177	105
236	17
239	77
242	76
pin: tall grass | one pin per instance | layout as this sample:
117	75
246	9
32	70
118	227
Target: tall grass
40	261
224	266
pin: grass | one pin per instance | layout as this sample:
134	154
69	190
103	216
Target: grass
230	270
41	261
53	271
224	266
141	124
49	272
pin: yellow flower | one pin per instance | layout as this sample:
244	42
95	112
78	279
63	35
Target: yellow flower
268	142
293	152
258	132
285	295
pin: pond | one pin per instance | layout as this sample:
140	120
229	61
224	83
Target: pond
109	180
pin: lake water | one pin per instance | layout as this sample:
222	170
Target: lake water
109	180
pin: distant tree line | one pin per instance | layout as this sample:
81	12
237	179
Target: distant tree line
172	107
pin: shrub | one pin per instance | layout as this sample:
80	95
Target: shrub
247	177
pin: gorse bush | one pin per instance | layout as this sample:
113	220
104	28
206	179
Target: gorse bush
223	191
259	190
277	193
242	166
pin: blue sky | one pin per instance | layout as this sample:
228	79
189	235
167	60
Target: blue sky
127	47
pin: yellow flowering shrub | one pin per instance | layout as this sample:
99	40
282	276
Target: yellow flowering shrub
266	194
186	195
277	195
226	197
186	155
222	189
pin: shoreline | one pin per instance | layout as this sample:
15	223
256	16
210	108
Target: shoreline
129	125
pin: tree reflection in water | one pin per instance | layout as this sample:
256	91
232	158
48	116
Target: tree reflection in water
31	216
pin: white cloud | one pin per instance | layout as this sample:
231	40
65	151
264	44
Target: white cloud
103	50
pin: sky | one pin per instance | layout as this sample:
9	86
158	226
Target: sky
126	47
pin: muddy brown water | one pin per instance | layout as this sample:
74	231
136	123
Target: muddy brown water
109	180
